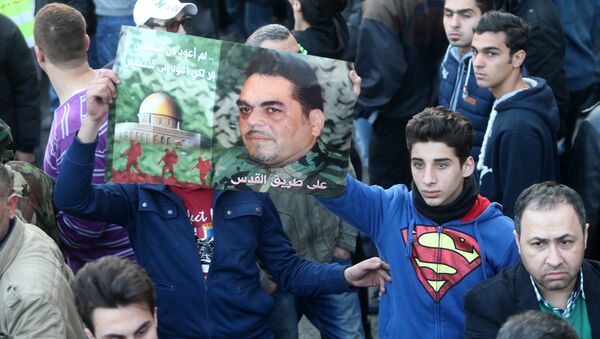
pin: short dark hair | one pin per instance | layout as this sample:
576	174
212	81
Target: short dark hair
484	5
59	31
545	196
6	182
536	325
515	28
292	67
440	124
111	282
272	32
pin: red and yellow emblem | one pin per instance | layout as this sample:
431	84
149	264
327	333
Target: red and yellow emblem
441	260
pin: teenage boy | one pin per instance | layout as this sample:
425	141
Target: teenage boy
519	145
115	299
458	88
440	239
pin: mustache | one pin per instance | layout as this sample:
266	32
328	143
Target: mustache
257	133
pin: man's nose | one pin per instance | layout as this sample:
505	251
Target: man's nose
429	176
455	22
554	258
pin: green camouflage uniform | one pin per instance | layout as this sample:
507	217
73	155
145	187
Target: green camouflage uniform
319	165
32	185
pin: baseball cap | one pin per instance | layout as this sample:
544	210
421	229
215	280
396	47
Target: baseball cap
160	9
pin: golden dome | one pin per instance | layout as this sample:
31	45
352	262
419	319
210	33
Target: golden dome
159	103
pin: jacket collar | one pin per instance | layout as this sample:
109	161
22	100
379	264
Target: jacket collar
165	190
12	245
526	299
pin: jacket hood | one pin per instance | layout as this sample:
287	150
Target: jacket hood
537	99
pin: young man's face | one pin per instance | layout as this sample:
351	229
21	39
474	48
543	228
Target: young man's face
492	62
129	322
460	16
552	245
272	124
437	172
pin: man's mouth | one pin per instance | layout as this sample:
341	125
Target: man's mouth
430	194
454	36
257	136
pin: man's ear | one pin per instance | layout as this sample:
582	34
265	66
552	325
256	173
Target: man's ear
517	237
89	333
39	54
11	205
316	118
585	235
87	42
296	5
468	167
518	58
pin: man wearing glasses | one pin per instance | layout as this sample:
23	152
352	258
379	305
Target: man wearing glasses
164	15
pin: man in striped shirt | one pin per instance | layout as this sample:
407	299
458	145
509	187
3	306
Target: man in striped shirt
61	49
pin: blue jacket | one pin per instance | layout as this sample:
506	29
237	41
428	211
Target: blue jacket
459	92
521	149
229	303
432	266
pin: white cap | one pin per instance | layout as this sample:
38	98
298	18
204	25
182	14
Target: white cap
160	9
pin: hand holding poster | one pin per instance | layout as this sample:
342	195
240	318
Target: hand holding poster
195	111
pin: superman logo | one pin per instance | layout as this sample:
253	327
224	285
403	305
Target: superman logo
442	260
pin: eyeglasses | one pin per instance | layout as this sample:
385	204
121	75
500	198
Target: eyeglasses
172	25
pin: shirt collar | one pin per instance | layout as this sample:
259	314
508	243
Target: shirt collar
570	303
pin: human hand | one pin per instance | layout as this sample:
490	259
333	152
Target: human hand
99	94
27	157
356	81
341	253
370	272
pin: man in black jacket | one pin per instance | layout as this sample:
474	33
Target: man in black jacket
551	234
19	93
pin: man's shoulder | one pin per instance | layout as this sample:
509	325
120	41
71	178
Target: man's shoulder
499	288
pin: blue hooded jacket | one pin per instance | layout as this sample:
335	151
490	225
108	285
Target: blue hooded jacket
521	147
432	266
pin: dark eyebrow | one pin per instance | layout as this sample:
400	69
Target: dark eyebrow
143	326
442	159
459	11
262	104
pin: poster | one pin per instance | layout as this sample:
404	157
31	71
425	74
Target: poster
194	112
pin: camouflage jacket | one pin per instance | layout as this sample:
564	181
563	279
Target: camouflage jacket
319	172
32	185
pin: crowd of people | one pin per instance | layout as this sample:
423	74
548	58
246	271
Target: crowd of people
479	131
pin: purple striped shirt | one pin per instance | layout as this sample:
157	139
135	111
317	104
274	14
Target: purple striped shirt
82	240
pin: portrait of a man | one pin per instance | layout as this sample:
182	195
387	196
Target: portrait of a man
281	119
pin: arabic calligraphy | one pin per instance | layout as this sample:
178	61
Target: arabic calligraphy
278	182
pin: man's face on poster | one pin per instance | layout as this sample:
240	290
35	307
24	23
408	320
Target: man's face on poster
273	125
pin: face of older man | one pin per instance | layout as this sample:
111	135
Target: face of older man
552	244
272	125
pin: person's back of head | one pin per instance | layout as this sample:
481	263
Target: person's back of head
318	12
536	325
59	33
272	32
440	124
515	29
113	283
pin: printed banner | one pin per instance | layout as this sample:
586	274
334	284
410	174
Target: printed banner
194	111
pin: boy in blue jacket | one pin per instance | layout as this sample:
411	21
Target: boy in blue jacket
199	246
519	145
440	239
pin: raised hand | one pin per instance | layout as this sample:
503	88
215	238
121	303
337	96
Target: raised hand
99	94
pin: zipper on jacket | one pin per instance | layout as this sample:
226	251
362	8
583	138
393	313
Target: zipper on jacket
436	308
208	320
457	92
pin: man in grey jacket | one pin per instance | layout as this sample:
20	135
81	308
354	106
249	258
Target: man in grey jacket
36	300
